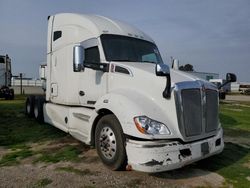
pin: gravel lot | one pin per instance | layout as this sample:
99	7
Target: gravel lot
92	173
28	175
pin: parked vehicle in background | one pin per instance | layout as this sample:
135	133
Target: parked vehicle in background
244	88
223	89
5	78
107	86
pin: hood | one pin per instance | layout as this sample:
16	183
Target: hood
176	75
138	87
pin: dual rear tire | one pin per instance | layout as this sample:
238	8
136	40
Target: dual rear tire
29	107
34	107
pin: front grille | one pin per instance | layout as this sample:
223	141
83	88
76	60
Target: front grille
211	110
191	101
197	112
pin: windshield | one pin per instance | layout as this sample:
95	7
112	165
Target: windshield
122	48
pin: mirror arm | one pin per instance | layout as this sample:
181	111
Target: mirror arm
223	84
97	66
167	91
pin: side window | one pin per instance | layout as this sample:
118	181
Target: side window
1	60
92	55
57	35
149	57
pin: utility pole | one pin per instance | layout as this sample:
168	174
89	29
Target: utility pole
21	83
6	69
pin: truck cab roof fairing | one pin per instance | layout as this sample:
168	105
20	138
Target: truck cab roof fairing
98	25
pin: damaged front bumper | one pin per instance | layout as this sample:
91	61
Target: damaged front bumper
158	156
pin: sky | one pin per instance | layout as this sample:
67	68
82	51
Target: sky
213	36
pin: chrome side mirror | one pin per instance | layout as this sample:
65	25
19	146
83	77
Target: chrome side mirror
78	58
230	77
162	69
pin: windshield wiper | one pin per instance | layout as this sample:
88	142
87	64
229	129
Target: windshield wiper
122	60
129	60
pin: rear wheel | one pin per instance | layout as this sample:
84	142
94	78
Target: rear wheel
38	108
109	142
29	107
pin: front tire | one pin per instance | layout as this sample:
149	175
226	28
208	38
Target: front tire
110	142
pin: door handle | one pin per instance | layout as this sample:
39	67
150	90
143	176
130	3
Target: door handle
81	93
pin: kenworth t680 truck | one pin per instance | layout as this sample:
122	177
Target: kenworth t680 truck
107	86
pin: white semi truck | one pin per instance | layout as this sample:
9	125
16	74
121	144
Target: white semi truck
5	78
107	86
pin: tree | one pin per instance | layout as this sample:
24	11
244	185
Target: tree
186	67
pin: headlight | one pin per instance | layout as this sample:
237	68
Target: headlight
149	126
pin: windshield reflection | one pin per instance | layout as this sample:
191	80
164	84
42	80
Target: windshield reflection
122	48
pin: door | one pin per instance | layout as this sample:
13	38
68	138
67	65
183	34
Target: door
92	83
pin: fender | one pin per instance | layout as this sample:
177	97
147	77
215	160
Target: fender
127	104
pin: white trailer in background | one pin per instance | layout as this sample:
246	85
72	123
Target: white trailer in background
244	88
43	75
107	85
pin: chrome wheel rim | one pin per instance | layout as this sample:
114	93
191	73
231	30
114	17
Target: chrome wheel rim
107	142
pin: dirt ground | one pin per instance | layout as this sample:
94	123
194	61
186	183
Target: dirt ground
92	173
238	97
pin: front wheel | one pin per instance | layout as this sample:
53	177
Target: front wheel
109	142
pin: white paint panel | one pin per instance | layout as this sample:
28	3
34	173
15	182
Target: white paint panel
55	115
